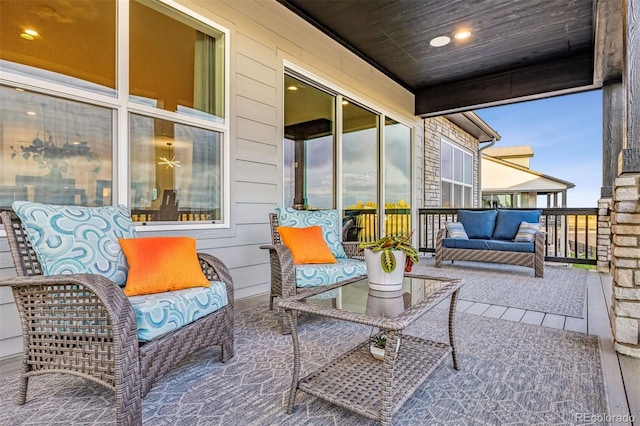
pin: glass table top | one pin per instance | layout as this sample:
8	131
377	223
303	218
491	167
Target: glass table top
355	296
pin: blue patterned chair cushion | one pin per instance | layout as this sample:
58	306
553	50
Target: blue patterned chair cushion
327	219
329	273
78	240
159	313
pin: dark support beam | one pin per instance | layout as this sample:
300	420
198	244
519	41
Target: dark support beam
609	55
630	156
612	129
555	75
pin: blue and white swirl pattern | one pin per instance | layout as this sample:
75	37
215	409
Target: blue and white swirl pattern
330	273
78	240
159	313
327	219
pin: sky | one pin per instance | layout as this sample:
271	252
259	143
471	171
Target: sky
565	133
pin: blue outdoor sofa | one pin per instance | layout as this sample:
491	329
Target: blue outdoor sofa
499	236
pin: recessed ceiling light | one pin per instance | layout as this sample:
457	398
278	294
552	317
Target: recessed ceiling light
440	41
31	113
462	35
26	36
31	32
292	87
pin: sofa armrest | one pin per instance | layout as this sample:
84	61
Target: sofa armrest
539	252
439	255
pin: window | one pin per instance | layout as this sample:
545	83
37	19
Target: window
66	113
498	201
309	159
457	176
314	174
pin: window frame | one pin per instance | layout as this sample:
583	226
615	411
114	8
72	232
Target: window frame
122	107
340	93
452	181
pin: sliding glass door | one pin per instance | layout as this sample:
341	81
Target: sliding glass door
338	153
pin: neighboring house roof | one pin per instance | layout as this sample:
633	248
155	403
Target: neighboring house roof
509	151
497	172
471	123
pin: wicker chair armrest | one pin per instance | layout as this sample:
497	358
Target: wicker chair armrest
96	294
283	274
216	270
109	293
353	250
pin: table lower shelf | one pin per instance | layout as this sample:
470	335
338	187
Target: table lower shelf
354	380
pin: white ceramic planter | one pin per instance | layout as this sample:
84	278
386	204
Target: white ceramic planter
378	353
381	280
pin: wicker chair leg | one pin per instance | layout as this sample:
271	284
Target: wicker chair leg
228	350
22	391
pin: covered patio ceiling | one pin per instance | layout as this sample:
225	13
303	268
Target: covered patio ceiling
518	49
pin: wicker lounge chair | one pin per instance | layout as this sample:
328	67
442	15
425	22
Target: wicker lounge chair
84	325
283	270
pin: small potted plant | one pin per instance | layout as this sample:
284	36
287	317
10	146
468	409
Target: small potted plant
378	344
383	256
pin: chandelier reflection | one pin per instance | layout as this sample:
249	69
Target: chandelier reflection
170	163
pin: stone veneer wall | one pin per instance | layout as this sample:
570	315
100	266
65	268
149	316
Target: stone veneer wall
625	268
436	129
603	243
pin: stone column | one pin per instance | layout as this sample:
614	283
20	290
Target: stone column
625	216
603	240
625	308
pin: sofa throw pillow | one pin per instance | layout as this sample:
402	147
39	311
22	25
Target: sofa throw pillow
478	224
78	240
307	245
456	231
159	264
328	220
527	232
508	222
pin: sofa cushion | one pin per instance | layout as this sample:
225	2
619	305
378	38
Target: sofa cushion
327	219
307	245
478	224
527	232
78	240
329	273
160	264
159	313
499	245
508	222
456	231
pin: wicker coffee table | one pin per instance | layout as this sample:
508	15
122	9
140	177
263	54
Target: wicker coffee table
355	380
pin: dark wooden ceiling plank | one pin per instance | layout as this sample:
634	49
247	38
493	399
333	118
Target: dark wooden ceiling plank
561	74
394	36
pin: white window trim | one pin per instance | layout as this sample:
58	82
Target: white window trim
453	181
121	108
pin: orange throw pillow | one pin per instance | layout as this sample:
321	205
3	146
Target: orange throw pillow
307	245
160	264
